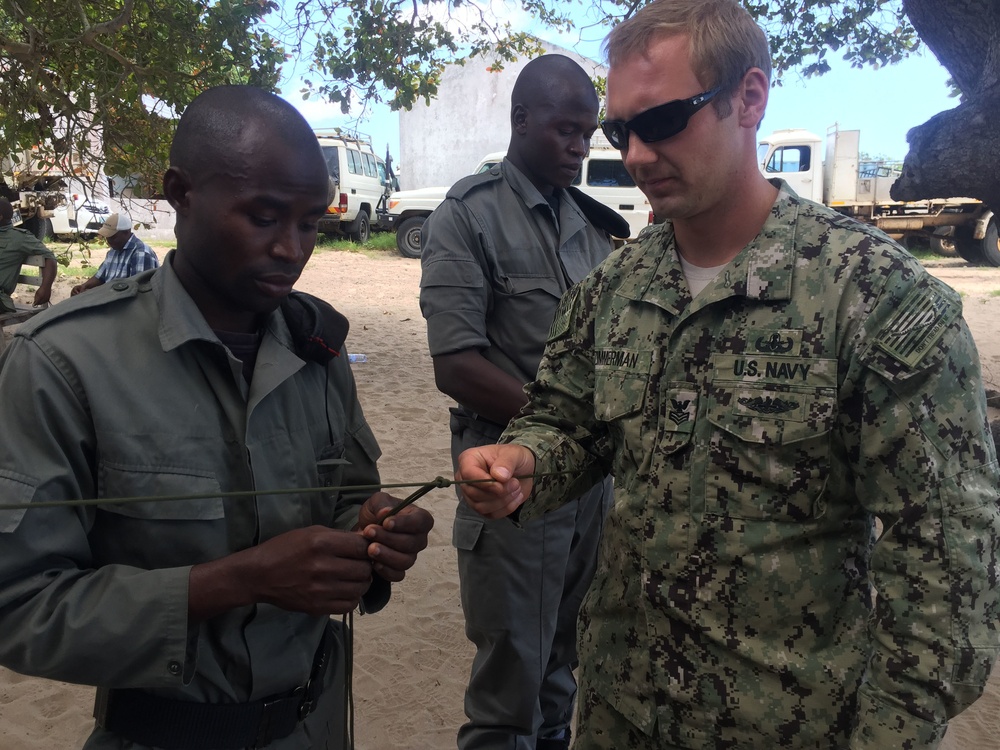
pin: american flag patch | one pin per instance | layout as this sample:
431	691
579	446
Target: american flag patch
917	324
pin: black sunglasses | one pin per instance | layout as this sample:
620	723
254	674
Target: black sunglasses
658	123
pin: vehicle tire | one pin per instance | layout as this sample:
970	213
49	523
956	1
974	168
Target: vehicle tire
944	246
361	230
41	228
970	250
408	236
991	244
942	242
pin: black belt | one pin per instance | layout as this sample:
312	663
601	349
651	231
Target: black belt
187	725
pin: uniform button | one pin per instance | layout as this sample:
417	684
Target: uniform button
174	667
119	286
145	288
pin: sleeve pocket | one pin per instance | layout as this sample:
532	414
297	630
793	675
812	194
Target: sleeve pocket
451	272
14	489
368	442
465	533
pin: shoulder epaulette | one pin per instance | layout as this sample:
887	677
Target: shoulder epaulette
111	293
473	181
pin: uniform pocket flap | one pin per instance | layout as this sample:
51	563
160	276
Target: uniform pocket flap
120	481
620	380
465	533
525	284
14	490
451	272
759	414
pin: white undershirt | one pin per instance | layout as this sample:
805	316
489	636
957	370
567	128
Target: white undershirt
697	277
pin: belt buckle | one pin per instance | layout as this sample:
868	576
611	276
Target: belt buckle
264	729
308	702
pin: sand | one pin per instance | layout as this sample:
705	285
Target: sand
412	659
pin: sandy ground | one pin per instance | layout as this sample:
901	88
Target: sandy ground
412	659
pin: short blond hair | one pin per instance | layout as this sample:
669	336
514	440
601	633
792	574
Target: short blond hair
725	41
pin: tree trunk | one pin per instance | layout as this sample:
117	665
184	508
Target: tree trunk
954	154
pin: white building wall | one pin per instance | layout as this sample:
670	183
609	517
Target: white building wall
470	117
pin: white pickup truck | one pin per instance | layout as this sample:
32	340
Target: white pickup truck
52	197
603	177
860	188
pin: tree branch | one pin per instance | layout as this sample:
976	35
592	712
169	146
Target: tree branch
17	50
110	27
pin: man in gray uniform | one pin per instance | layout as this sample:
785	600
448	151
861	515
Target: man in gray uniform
204	620
498	254
16	245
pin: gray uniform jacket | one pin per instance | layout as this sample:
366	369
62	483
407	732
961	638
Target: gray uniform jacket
756	432
126	391
495	267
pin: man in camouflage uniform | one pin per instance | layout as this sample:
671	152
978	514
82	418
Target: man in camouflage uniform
765	379
16	246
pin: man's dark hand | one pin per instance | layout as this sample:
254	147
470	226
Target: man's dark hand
393	542
316	570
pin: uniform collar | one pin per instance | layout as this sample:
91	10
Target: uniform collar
763	270
521	185
180	319
570	219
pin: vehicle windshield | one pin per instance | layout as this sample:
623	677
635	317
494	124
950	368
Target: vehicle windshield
762	149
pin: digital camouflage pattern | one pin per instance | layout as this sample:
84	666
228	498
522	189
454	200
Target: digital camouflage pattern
755	433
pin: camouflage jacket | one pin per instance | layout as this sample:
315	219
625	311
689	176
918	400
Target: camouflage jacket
823	380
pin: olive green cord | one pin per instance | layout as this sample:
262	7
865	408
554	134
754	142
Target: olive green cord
423	489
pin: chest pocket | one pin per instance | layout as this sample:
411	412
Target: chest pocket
527	286
621	401
118	480
769	454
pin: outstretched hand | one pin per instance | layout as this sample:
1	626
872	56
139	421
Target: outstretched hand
500	498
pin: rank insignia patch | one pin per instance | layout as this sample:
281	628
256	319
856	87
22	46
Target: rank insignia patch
680	408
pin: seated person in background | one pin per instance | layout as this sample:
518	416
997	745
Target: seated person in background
16	246
128	255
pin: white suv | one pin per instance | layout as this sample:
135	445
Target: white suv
602	177
80	217
361	183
